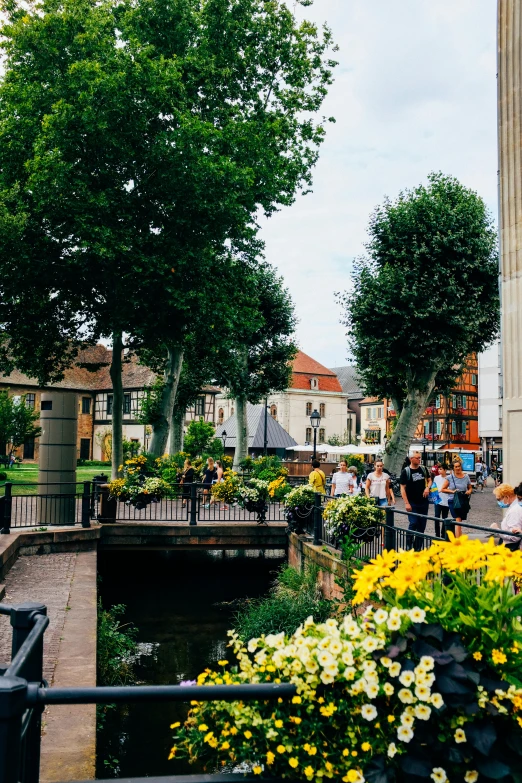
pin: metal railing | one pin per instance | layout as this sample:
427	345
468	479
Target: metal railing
24	695
41	509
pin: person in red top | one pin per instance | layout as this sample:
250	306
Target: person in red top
435	469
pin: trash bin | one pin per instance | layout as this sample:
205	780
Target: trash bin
107	505
97	481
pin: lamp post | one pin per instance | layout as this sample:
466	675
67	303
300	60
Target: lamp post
265	442
224	439
315	421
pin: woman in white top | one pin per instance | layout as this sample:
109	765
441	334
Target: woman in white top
341	483
441	507
507	498
378	486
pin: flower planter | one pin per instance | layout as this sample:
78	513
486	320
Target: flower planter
300	519
258	507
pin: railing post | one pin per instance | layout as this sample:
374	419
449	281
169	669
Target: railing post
86	504
8	505
193	504
318	519
389	531
13	692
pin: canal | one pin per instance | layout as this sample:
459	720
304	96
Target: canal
182	604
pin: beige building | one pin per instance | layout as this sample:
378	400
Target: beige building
314	387
510	189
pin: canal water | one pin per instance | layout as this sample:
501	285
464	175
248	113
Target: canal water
182	604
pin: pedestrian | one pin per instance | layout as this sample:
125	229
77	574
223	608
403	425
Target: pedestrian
441	506
458	487
187	479
479	474
317	478
508	497
354	485
415	484
220	470
493	472
12	460
435	469
209	478
378	485
341	480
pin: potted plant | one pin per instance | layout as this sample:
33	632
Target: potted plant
278	489
227	491
356	516
425	688
253	497
299	504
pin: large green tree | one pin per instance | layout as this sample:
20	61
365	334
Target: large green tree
17	421
137	139
424	298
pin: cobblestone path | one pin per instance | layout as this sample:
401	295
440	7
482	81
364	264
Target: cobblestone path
47	580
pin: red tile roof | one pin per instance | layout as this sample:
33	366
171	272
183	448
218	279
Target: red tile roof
305	368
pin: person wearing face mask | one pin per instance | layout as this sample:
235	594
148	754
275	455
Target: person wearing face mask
458	484
508	497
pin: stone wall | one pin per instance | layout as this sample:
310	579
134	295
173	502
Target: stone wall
302	552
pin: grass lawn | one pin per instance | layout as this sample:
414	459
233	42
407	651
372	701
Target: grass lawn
28	474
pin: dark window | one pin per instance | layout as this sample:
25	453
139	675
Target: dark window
221	416
29	448
308	408
47	405
308	434
29	401
109	405
322	410
126	403
85	447
86	405
273	411
321	435
200	406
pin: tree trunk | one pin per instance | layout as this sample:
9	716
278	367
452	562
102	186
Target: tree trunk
176	431
117	404
160	430
410	416
241	450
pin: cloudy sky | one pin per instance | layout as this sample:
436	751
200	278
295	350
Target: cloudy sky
414	92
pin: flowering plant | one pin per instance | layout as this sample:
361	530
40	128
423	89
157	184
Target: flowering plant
299	504
137	486
352	515
385	696
227	490
254	492
279	488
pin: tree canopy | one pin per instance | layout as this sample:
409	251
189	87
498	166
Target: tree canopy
425	297
17	421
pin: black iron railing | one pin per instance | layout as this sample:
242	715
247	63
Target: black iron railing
24	695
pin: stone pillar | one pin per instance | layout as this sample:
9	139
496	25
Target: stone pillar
57	458
510	193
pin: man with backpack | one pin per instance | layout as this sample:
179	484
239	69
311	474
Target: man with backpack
415	484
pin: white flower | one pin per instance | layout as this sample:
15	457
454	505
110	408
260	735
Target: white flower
404	733
368	712
308	622
395	612
335	647
407	678
252	645
437	700
369	644
422	712
350	672
371	690
395	669
357	687
428	680
417	615
380	616
422	692
460	736
350	627
324	644
260	657
471	776
394	623
388	689
428	662
275	639
392	749
326	678
386	662
369	666
332	669
406	696
325	658
331	623
439	775
407	719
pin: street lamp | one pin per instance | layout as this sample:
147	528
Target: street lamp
224	438
315	421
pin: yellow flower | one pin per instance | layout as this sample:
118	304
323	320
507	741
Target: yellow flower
477	656
293	762
203	727
278	724
309	771
351	776
225	746
270	757
248	734
391	718
498	657
222	663
328	766
346	752
175	725
257	770
296	700
233	730
354	753
281	749
172	753
366	746
460	736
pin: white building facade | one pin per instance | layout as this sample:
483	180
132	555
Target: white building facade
490	402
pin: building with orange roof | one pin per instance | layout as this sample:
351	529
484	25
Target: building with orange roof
313	387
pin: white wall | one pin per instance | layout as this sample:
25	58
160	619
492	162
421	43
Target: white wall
130	431
490	393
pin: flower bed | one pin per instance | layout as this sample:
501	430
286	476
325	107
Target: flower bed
299	504
356	516
425	687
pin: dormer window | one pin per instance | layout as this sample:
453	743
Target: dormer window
314	384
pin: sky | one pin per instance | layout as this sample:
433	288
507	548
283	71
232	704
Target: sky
414	92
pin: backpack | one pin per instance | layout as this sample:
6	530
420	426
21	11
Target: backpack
423	468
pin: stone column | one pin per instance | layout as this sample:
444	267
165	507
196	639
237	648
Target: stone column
57	458
510	192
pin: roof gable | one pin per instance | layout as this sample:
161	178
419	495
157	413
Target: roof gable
278	437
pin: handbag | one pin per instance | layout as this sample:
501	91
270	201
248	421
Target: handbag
434	496
457	500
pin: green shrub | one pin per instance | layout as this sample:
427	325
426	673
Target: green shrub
116	647
3	476
293	597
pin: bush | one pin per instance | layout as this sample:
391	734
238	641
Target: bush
268	468
3	476
93	463
294	597
116	647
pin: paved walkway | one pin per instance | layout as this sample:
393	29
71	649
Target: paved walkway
47	580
